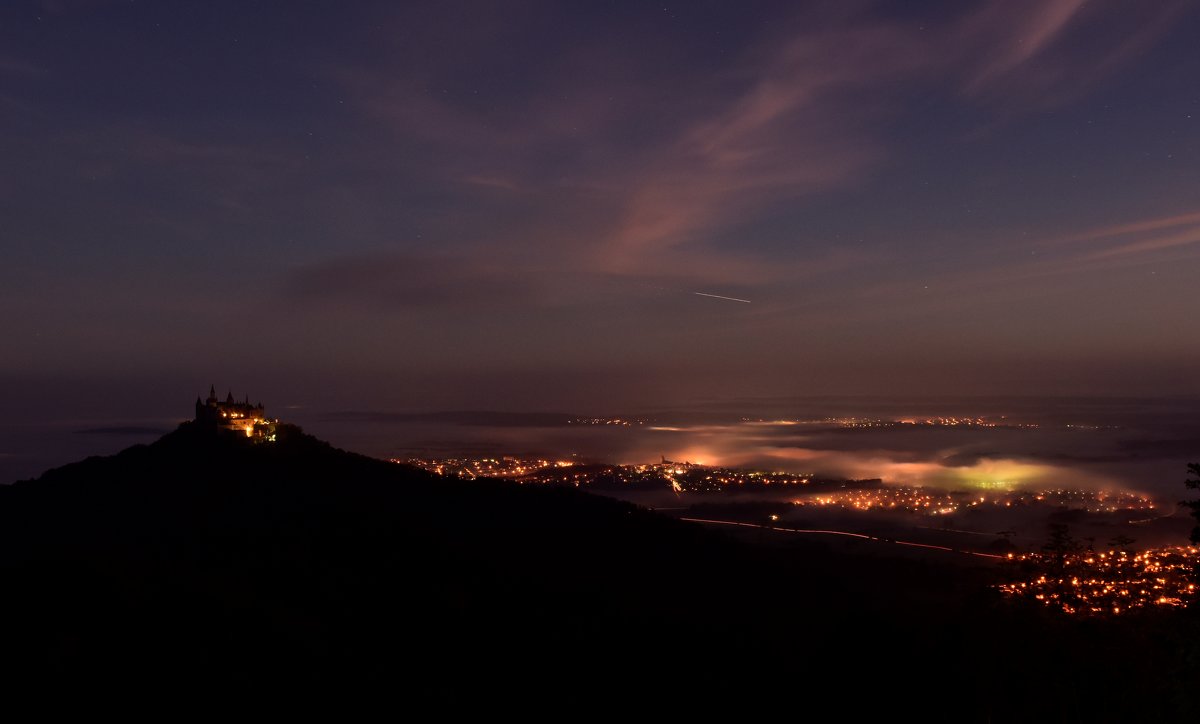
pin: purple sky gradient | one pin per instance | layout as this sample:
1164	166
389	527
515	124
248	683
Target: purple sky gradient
512	205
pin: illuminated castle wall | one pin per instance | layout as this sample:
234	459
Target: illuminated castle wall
241	417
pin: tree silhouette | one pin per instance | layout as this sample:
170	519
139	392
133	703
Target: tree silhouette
1193	482
1122	543
1060	546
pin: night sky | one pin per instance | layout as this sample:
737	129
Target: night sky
521	205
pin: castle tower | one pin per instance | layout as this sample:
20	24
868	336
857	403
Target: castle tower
235	416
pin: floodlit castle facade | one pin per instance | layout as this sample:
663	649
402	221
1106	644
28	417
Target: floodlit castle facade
231	415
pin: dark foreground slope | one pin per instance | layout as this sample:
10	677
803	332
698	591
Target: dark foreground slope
211	563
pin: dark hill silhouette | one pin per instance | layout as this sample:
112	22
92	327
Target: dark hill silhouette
295	561
205	560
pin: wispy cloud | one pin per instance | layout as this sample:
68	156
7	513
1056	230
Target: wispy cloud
1134	227
1151	243
813	116
1046	52
1019	32
784	136
800	114
1133	239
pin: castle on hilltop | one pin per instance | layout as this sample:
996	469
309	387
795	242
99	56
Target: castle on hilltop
234	416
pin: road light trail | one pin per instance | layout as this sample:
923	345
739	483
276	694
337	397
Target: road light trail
772	527
955	530
815	531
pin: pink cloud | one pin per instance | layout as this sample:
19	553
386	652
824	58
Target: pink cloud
797	116
1021	31
1019	51
1131	239
811	119
1184	237
784	136
1134	227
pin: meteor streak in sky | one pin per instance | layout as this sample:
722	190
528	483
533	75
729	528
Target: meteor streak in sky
718	296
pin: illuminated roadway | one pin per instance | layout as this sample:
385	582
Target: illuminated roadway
847	534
